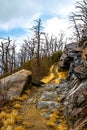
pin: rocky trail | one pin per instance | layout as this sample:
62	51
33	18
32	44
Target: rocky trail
59	104
38	109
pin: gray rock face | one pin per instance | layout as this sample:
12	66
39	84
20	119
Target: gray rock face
80	99
80	72
49	96
69	50
77	90
84	57
51	87
84	33
76	101
47	104
85	44
70	55
15	84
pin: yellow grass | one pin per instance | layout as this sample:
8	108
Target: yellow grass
56	78
28	91
59	99
17	105
19	128
53	119
26	124
23	97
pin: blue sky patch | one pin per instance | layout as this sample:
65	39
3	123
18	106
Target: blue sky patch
16	32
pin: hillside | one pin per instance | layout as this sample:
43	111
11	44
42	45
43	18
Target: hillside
59	104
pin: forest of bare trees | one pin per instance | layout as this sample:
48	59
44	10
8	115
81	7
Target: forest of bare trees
40	44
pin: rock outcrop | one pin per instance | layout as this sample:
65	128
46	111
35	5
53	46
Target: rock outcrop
14	85
80	72
74	58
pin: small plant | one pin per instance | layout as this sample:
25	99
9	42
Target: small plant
59	99
18	106
53	119
26	124
56	56
19	128
9	121
9	128
28	91
23	97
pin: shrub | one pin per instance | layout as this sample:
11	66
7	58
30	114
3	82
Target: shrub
56	56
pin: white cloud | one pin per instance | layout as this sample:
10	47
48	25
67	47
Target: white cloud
18	13
62	7
21	13
55	25
67	10
11	9
18	23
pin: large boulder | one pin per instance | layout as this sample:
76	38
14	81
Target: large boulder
15	84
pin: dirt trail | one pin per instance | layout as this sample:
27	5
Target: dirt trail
31	113
23	114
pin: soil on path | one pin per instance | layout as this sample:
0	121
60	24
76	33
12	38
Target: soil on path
31	113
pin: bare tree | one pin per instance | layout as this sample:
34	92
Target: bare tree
54	44
12	57
37	30
79	19
7	56
30	48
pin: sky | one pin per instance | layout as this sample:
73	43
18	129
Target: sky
17	17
